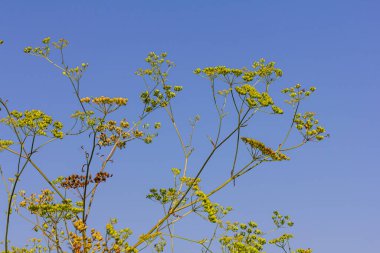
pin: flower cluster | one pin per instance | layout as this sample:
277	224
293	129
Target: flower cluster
77	181
85	117
158	98
160	245
208	207
101	176
296	93
114	241
247	92
280	220
255	99
163	195
80	243
261	69
244	238
304	250
156	62
104	104
5	144
77	72
80	225
45	49
44	206
111	133
119	238
281	241
74	181
35	247
96	235
258	146
190	182
224	92
176	171
97	240
161	92
309	126
34	122
87	120
60	44
218	71
106	100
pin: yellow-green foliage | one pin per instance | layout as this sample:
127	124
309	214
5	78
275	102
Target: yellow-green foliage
34	122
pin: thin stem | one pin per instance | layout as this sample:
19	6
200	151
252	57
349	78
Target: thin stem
220	114
213	237
88	164
291	126
189	240
4	181
171	116
10	197
294	147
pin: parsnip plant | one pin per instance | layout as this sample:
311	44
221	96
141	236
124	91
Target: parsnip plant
60	212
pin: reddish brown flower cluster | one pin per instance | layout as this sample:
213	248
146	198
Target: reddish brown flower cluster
101	177
75	181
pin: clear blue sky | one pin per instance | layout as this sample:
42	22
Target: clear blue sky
331	189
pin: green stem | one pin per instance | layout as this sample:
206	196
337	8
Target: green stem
10	197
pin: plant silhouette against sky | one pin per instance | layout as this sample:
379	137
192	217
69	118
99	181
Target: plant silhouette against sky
60	212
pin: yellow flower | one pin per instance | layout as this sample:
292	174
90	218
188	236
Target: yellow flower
46	40
79	225
85	100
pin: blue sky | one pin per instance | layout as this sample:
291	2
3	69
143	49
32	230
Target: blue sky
331	189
